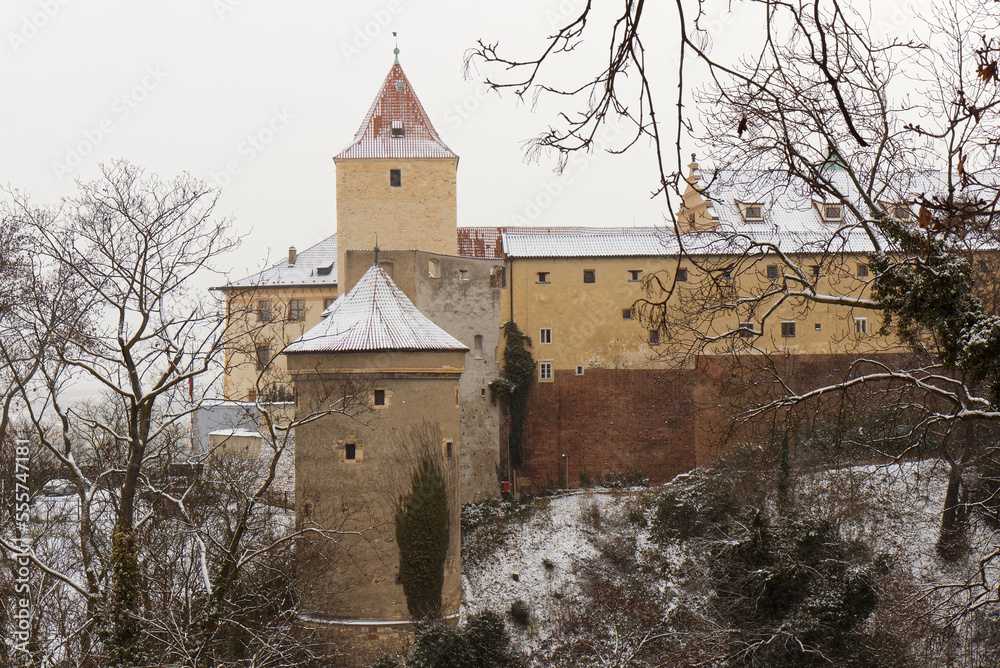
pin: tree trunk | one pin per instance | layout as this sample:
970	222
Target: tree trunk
951	542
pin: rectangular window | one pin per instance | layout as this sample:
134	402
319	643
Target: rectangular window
682	275
654	336
498	277
833	212
264	310
543	277
772	271
350	451
545	371
818	327
263	356
815	268
463	274
379	398
327	302
297	309
395	178
588	276
579	370
626	314
862	271
745	330
861	325
788	329
545	335
754	212
635	275
449	449
397	129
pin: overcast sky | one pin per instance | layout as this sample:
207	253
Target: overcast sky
257	96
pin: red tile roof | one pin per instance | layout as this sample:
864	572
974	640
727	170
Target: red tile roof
396	108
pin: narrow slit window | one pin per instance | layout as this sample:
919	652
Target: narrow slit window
350	451
379	398
395	178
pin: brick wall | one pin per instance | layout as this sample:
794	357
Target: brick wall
610	420
666	422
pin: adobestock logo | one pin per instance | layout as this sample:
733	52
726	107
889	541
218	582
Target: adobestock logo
32	25
251	147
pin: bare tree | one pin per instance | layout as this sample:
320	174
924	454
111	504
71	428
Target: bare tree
899	135
142	567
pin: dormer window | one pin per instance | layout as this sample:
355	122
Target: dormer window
753	213
400	85
397	129
832	212
897	211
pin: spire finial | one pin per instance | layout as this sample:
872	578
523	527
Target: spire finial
396	50
376	250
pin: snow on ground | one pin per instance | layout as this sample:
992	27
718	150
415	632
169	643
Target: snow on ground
537	561
896	508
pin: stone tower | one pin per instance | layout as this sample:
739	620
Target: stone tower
397	179
396	375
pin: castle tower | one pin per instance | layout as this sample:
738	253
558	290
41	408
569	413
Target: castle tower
397	179
396	374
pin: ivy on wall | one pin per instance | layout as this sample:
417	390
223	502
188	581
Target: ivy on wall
422	535
519	372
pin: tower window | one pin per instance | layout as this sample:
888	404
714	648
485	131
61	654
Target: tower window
350	451
379	398
589	276
397	129
395	178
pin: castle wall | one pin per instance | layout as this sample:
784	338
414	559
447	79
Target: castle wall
460	298
420	213
349	562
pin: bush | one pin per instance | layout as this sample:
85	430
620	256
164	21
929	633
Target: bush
520	613
422	535
699	506
483	643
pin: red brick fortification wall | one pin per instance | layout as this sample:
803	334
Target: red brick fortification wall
609	420
666	422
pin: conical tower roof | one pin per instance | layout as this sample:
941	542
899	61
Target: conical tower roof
396	126
374	316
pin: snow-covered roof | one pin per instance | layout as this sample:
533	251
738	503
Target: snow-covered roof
317	265
396	126
374	315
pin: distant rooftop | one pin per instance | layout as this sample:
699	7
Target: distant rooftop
375	315
316	265
396	126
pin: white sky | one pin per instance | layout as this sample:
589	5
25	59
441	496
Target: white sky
181	85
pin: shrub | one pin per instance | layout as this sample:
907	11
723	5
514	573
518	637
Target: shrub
422	534
586	480
520	613
483	643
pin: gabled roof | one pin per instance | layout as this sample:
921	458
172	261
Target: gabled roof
375	315
396	106
317	265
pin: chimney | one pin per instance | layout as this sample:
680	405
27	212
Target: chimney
291	255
